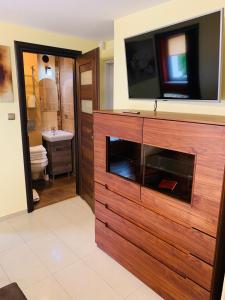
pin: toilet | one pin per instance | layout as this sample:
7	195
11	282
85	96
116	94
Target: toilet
39	161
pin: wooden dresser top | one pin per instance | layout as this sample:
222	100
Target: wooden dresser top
182	117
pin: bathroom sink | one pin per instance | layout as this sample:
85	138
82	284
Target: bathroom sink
56	135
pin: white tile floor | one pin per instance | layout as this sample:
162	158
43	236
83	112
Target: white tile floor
52	255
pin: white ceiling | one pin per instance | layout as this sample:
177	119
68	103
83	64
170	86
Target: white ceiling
91	19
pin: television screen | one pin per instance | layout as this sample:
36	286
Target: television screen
181	61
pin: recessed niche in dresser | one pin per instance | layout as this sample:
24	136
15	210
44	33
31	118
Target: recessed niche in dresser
123	158
169	172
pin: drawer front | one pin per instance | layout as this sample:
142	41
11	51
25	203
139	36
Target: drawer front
128	128
178	211
61	168
62	156
182	263
66	143
119	185
184	238
62	148
160	278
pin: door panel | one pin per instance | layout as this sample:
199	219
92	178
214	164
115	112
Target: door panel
87	77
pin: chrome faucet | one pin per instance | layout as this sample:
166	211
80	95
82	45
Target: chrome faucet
53	130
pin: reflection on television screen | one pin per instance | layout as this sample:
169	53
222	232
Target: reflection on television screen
181	61
177	59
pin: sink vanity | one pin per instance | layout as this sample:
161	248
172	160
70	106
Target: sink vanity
58	144
56	135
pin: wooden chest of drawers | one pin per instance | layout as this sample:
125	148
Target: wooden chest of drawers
174	247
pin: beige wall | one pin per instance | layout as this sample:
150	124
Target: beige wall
107	53
12	184
147	20
66	66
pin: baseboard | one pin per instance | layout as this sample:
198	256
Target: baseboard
19	213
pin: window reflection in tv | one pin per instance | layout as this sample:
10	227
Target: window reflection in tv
124	158
181	61
169	172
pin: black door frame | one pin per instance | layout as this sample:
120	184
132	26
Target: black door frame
20	48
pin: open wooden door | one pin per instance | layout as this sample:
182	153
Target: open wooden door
87	77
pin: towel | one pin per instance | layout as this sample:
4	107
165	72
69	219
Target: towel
39	161
37	149
37	156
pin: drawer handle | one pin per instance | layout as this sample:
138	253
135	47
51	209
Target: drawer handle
106	224
106	206
106	186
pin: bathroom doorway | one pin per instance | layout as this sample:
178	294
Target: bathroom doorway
50	102
51	120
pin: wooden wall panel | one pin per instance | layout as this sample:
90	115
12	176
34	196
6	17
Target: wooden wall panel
87	173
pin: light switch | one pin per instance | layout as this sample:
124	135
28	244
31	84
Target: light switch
11	116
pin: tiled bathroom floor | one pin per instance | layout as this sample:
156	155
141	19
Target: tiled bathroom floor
52	255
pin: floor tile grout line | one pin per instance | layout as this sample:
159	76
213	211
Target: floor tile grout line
107	281
31	284
50	276
53	275
102	278
45	264
6	274
138	288
98	277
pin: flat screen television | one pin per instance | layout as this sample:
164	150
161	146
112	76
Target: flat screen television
178	62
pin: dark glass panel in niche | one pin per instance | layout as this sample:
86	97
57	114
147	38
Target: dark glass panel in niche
124	158
169	172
